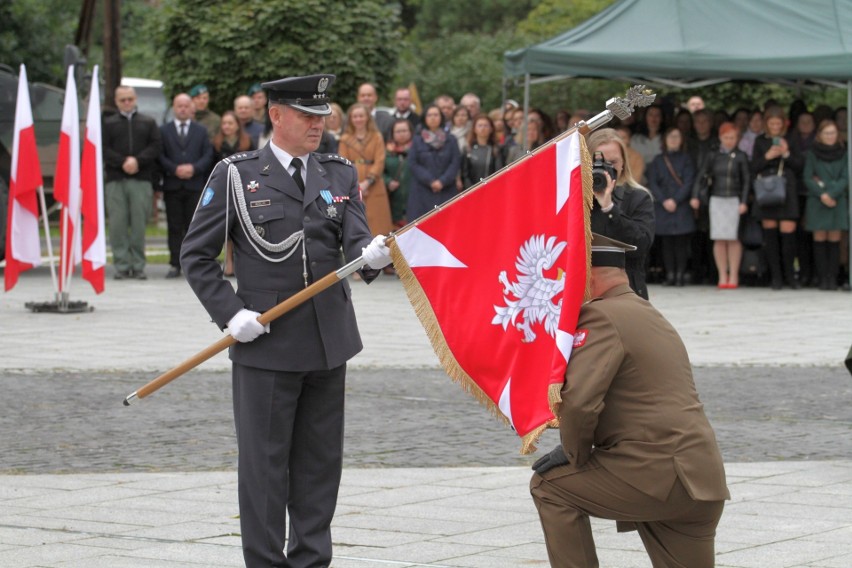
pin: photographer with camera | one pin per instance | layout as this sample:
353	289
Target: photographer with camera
622	210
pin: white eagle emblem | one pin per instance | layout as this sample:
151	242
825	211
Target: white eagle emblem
534	292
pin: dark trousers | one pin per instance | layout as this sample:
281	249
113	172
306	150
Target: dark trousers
290	438
180	207
675	250
677	532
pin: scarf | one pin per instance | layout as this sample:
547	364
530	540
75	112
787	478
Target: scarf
825	153
399	149
435	139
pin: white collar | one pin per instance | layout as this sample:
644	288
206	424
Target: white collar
179	122
285	158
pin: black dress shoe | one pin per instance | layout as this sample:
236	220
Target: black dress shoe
121	275
174	272
139	275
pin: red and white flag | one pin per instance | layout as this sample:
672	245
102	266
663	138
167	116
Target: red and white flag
23	248
497	278
66	184
92	182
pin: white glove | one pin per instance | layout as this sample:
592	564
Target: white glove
244	326
376	253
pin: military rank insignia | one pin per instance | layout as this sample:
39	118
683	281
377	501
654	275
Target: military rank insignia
252	186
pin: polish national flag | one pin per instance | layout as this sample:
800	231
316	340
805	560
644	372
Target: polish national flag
92	182
66	186
23	248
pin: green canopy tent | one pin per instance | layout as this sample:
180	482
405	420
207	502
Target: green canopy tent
694	43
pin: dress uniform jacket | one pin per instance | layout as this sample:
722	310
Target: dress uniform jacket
320	333
629	399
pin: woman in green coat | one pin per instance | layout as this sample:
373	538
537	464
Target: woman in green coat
827	212
397	174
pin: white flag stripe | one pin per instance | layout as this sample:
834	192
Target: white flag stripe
420	250
505	403
567	159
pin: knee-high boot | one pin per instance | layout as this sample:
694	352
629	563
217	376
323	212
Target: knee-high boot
788	258
819	264
773	257
832	264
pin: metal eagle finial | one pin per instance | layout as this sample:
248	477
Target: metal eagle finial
636	96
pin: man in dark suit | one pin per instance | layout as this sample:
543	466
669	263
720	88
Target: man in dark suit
288	211
402	109
636	446
186	159
369	97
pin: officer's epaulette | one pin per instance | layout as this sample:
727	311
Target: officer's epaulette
240	156
332	158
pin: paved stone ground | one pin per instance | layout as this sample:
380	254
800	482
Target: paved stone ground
164	495
64	423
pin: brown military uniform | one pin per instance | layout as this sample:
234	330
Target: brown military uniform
640	447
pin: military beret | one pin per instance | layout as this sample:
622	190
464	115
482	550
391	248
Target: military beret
256	88
609	252
197	90
306	94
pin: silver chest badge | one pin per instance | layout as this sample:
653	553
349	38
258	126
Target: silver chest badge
253	185
331	211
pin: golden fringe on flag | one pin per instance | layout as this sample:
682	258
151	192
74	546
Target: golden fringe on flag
423	309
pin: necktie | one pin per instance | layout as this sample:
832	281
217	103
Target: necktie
297	175
183	131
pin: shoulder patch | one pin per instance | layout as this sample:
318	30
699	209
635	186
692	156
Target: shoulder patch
580	337
322	158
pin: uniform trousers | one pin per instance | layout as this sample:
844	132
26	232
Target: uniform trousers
290	439
677	533
180	207
128	207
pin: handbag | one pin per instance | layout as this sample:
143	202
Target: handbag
751	233
771	191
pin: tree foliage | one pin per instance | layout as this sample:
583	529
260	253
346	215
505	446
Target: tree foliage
240	42
552	17
442	19
35	33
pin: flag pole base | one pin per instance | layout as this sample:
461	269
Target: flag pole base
60	307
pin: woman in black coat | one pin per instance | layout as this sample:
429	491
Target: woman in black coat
624	210
726	171
670	181
768	158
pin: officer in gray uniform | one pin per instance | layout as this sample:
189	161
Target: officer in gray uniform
288	211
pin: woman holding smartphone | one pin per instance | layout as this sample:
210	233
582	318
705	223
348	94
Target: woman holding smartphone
779	223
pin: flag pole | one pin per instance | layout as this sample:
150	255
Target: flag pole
636	96
266	317
615	107
47	236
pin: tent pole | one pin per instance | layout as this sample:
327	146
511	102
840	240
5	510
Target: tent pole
526	143
849	163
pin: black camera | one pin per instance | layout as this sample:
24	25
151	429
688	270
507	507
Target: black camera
599	168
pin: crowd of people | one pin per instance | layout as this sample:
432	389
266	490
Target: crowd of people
696	218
